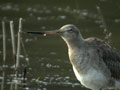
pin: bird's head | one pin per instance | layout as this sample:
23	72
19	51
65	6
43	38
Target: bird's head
67	32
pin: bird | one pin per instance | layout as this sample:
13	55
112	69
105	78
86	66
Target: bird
95	63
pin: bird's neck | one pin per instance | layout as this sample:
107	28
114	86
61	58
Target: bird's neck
75	47
75	43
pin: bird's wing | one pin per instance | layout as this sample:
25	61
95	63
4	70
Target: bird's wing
110	56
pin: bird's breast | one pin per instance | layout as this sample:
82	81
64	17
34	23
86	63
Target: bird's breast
85	69
93	79
79	59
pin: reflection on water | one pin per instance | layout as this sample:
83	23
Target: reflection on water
48	66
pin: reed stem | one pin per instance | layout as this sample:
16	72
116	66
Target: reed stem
13	41
4	55
18	52
102	18
18	43
4	42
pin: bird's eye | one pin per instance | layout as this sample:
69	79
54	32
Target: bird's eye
70	29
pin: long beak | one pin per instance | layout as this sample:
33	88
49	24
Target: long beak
55	32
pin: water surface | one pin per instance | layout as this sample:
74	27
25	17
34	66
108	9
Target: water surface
48	66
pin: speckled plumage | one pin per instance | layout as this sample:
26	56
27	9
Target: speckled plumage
109	55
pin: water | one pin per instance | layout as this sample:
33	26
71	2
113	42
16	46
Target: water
48	66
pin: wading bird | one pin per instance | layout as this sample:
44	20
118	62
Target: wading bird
95	63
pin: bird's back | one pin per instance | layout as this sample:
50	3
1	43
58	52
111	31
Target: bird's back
109	56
